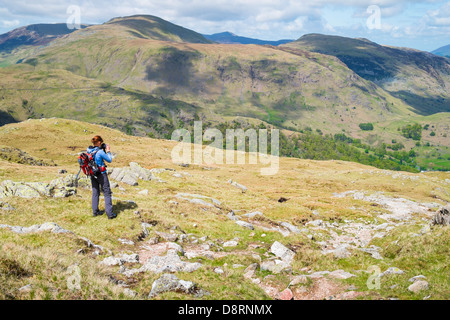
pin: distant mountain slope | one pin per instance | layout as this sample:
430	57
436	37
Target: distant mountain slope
285	87
132	73
443	51
151	27
229	38
34	35
419	78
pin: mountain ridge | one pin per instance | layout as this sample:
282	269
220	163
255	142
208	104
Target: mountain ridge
33	35
134	75
390	67
443	51
231	38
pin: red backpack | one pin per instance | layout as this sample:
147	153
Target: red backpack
88	164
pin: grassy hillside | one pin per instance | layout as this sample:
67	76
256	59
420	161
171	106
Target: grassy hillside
148	77
314	189
419	78
151	27
280	87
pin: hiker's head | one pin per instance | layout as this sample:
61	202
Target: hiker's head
97	141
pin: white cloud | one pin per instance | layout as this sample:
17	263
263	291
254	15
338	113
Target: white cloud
10	23
439	17
265	19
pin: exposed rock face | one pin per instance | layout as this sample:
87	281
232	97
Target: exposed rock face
131	175
48	226
199	199
18	156
54	228
168	263
442	216
58	188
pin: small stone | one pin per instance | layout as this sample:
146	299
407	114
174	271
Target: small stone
26	288
245	224
392	270
418	286
315	223
290	227
282	252
125	241
237	185
341	274
286	294
341	252
442	216
167	236
250	271
231	243
253	214
298	279
114	185
129	293
414	279
143	192
218	270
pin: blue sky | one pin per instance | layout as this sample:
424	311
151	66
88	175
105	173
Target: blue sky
420	24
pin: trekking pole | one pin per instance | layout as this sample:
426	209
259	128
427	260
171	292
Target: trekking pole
76	179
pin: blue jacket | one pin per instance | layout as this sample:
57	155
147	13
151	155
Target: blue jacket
100	156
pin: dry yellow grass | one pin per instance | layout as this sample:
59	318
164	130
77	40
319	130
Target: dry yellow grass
308	186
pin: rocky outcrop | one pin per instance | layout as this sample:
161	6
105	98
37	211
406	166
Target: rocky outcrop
131	174
47	226
58	188
171	262
54	228
18	156
442	216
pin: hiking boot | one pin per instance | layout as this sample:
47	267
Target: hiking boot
98	213
113	216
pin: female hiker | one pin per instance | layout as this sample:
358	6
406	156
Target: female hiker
101	153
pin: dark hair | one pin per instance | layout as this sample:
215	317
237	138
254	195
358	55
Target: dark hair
96	139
